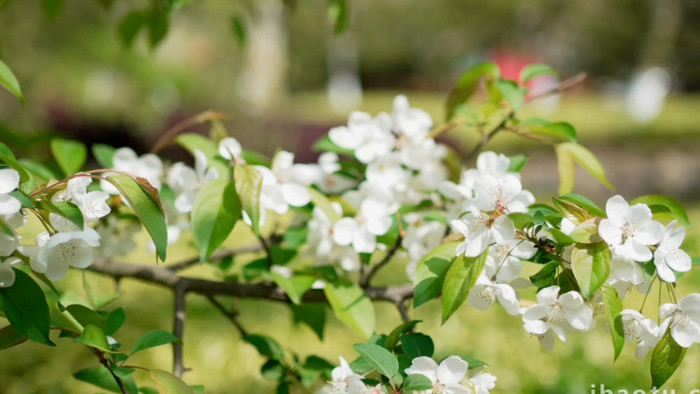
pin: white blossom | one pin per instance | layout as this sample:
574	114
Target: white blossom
148	166
320	240
414	123
56	253
481	230
370	138
446	377
345	381
503	194
373	219
668	256
641	329
186	181
230	148
9	181
486	293
7	274
504	261
557	314
684	319
630	230
282	185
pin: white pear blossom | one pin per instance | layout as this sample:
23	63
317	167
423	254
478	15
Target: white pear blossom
414	123
668	256
148	166
504	262
684	319
345	381
230	148
482	383
481	230
117	237
487	163
503	194
373	219
446	377
93	205
369	137
330	181
9	181
283	185
54	254
421	237
186	181
630	230
641	329
321	245
557	314
7	274
486	293
624	274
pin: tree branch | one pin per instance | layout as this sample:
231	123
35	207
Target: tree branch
179	329
167	278
367	276
231	315
214	257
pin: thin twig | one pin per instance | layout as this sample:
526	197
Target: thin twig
179	330
231	315
165	139
165	277
401	306
487	136
368	275
103	360
268	252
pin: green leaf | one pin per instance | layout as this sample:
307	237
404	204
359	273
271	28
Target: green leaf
393	338
115	320
70	155
351	306
562	130
545	277
586	232
512	93
459	280
381	359
9	81
248	186
338	13
587	160
10	337
584	203
86	316
273	370
93	336
158	25
98	301
215	211
313	315
431	271
153	339
266	346
591	266
294	287
9	159
39	170
664	204
325	144
467	84
166	383
517	163
104	154
143	199
535	70
665	359
130	26
571	211
98	376
319	200
65	209
613	307
416	345
565	166
26	308
416	382
239	30
193	142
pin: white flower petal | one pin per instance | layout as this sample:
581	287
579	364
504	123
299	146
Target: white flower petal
295	194
452	370
9	180
425	366
9	205
617	209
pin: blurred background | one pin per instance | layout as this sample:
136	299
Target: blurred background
116	72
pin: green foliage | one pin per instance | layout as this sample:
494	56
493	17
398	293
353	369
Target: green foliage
430	273
248	186
9	81
613	307
165	382
665	359
215	211
664	204
351	306
467	84
144	200
591	266
70	155
94	337
153	339
417	345
26	309
379	358
535	70
459	280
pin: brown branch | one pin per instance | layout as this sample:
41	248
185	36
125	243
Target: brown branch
179	330
167	278
561	86
367	276
231	315
103	360
169	135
